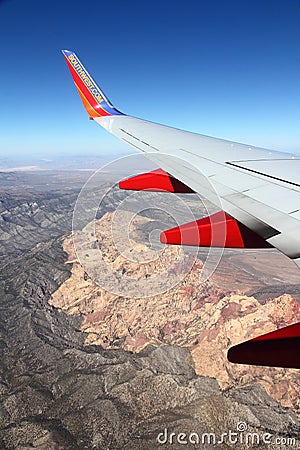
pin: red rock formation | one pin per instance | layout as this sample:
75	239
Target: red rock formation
206	318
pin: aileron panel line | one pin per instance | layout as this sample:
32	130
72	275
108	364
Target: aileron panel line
283	180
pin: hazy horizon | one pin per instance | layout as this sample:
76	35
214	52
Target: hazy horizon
217	68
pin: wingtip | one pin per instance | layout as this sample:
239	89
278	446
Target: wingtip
66	52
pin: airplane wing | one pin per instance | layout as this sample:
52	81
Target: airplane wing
257	190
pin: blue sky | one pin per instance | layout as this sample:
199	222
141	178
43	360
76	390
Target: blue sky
229	69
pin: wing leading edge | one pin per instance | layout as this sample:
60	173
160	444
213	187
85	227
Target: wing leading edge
257	188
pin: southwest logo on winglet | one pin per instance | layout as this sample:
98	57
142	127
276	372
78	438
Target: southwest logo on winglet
85	78
93	99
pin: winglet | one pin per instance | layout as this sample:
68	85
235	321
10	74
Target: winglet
93	99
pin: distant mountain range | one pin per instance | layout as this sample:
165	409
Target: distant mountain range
56	162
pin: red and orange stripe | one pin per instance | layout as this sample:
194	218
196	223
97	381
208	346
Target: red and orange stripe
89	102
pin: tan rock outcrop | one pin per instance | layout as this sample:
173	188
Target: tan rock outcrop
203	317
